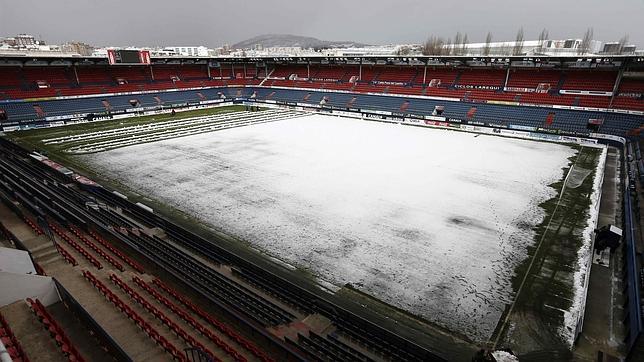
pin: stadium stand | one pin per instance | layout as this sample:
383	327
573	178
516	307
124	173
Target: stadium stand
568	120
589	81
492	78
403	75
101	87
135	317
10	342
55	331
62	81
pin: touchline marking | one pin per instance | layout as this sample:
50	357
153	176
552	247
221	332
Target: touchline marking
536	252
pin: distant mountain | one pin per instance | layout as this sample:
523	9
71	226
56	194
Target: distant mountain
287	40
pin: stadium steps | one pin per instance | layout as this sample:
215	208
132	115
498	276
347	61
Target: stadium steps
456	80
413	81
267	77
126	333
562	81
46	254
376	75
35	340
162	328
77	333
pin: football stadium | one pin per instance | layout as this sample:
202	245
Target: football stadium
318	207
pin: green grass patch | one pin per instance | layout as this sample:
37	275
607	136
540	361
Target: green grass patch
545	280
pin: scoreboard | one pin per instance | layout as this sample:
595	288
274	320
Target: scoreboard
128	57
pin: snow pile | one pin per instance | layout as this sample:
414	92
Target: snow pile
431	221
503	356
575	314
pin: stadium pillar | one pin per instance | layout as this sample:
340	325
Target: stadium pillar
360	73
151	72
425	75
208	68
308	70
76	74
618	80
232	67
507	76
245	71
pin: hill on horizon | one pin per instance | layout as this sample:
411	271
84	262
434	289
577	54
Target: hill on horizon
288	40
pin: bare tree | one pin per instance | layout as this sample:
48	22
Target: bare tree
457	43
488	40
623	41
434	46
428	46
518	43
584	47
448	47
403	50
505	49
464	45
543	36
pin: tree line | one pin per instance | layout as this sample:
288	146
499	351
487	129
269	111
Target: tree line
436	45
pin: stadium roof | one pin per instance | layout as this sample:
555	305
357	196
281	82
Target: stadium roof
570	61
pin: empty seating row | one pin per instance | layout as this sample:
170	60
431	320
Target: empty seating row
66	255
129	261
55	331
233	294
320	347
165	72
225	71
62	81
132	315
250	71
368	73
568	120
50	75
399	75
96	249
530	79
328	73
591	81
487	77
277	290
375	343
217	324
77	247
188	319
628	103
615	123
162	317
631	86
11	343
33	225
115	219
103	79
287	71
338	346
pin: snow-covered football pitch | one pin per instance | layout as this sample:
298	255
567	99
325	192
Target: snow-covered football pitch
431	221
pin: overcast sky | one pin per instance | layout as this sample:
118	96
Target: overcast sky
216	22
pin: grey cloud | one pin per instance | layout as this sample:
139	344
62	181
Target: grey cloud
215	22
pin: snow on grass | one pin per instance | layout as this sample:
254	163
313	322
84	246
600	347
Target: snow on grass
430	221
